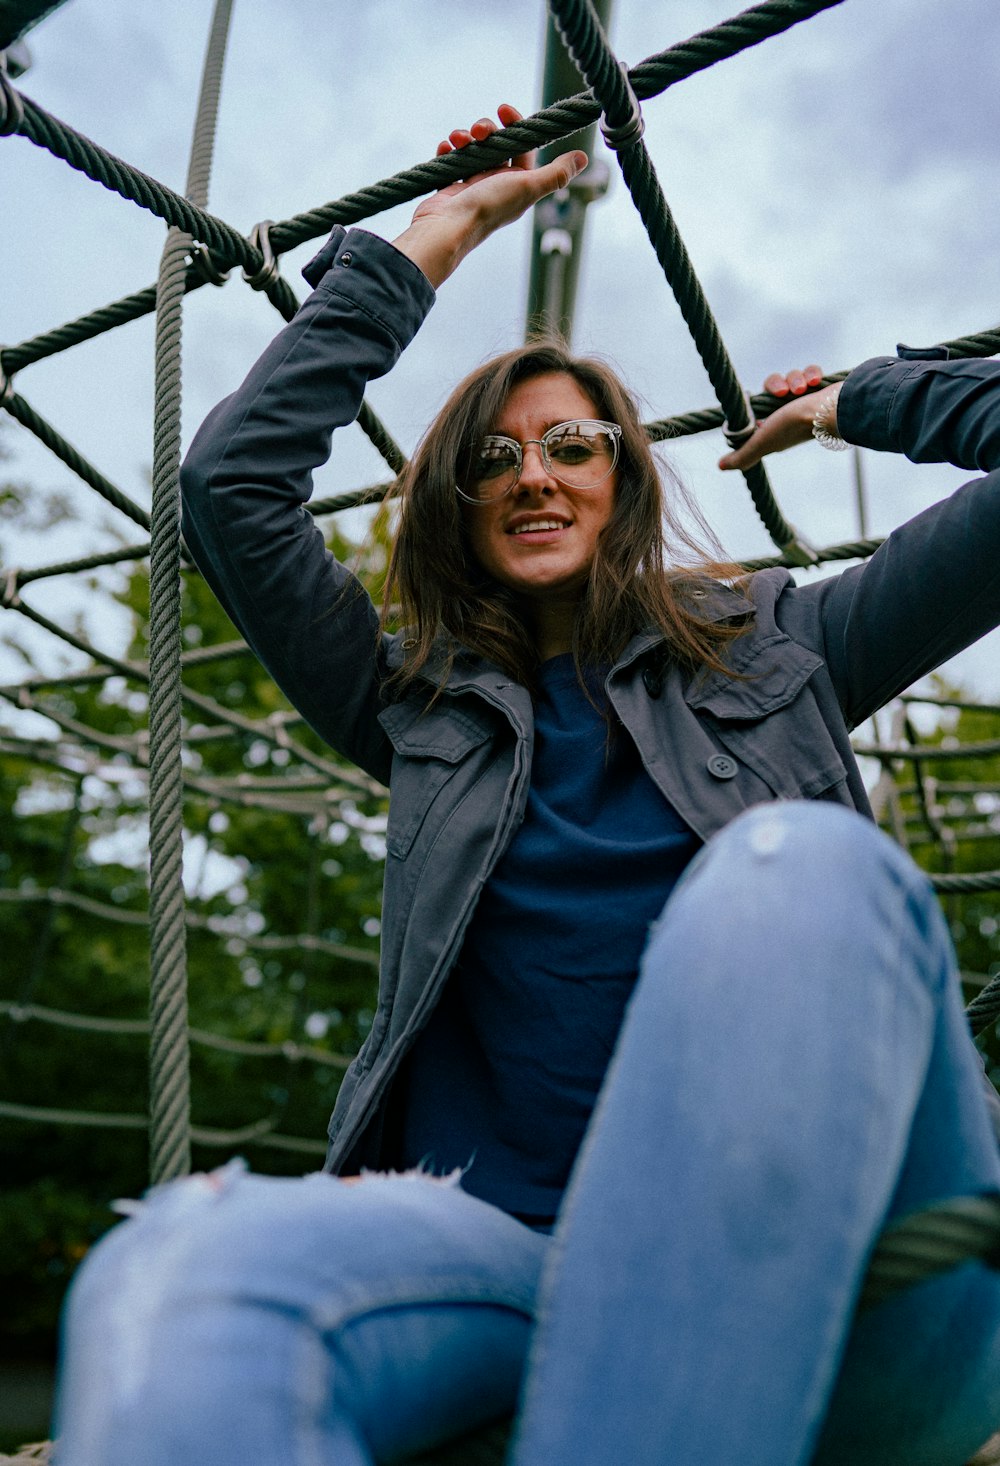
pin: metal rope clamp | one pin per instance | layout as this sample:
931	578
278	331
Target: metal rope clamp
736	436
798	550
623	134
203	262
11	105
268	274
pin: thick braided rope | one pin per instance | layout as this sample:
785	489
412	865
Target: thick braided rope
169	1074
933	1241
640	176
984	880
131	183
57	444
985	1007
86	562
650	78
169	1086
85	328
584	38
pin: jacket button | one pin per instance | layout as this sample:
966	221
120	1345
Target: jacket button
346	258
652	680
721	766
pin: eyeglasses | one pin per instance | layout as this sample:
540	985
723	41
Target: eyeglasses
580	454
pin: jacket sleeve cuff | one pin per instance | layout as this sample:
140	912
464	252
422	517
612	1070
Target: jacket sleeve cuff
863	407
932	409
368	271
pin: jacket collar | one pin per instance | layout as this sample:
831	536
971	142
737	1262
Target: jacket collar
709	600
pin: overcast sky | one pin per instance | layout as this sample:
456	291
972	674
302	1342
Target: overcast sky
836	187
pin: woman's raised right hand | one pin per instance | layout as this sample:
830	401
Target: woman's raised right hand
446	226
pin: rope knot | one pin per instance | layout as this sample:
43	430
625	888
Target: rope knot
267	275
629	130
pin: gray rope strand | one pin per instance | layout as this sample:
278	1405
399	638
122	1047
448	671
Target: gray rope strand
170	1089
85	328
649	78
169	1084
26	415
87	157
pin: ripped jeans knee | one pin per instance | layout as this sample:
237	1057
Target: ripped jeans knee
236	1317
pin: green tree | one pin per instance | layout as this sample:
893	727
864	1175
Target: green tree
275	849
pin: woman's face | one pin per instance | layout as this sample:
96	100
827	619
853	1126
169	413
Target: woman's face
540	539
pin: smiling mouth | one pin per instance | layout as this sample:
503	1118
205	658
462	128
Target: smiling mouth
537	525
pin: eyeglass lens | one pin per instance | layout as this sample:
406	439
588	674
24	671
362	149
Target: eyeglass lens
579	454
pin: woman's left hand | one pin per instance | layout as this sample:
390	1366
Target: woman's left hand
790	423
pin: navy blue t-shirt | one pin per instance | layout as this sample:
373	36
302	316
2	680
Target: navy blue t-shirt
504	1078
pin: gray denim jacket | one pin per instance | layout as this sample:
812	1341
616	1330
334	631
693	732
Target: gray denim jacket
815	660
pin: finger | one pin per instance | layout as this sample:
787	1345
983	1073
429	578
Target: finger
508	115
460	137
776	384
796	382
746	455
559	172
813	374
443	148
483	129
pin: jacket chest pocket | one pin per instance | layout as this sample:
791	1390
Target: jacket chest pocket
770	719
430	747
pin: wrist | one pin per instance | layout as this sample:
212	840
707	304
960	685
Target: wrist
824	419
434	247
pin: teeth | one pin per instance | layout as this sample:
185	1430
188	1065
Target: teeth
536	524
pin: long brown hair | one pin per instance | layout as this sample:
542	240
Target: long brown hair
439	587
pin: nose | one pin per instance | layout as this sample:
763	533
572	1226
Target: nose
535	477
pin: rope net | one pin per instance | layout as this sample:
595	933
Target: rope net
184	757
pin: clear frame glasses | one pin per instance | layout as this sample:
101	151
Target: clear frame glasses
580	454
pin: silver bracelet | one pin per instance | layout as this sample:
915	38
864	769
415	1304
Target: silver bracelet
822	424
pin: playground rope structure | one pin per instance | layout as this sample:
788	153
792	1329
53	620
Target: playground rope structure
203	249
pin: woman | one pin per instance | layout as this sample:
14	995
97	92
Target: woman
564	724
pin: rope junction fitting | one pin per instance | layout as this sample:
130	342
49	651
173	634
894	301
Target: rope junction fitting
202	261
622	134
267	276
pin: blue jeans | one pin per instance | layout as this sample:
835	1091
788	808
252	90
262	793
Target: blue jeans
793	1071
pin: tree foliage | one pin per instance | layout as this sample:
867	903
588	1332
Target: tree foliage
947	812
72	809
